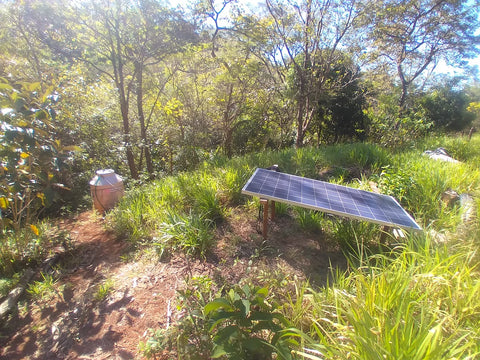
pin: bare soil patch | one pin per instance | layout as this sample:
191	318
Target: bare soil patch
76	323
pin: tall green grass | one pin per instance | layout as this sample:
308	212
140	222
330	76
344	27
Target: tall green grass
190	233
423	181
418	302
174	213
308	161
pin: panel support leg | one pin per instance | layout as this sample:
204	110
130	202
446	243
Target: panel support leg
272	216
264	203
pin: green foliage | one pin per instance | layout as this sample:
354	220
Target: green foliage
189	336
430	178
177	213
446	108
395	182
155	344
396	30
44	289
416	302
390	125
8	283
309	220
31	159
459	147
366	156
104	290
281	208
17	247
357	239
191	233
245	325
203	189
339	115
28	246
232	180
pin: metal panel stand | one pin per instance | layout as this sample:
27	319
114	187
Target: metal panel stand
264	203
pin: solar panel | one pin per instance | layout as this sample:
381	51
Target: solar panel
330	198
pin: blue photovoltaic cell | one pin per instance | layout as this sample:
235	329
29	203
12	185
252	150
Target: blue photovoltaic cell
330	198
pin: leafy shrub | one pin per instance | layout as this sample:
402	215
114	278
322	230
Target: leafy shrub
31	159
395	182
246	326
189	336
446	108
389	125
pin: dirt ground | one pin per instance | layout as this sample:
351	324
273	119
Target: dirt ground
75	323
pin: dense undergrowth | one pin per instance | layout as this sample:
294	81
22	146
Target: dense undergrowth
413	299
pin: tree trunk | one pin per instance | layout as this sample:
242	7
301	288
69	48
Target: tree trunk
405	84
300	132
117	62
126	134
141	118
403	97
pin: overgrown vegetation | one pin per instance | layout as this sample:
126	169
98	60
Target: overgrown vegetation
413	298
186	103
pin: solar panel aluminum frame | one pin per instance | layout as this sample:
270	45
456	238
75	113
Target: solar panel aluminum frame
413	225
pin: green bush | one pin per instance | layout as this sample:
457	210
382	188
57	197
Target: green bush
246	326
390	125
31	157
189	336
446	108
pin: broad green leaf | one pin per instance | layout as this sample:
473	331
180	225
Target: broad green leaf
225	334
221	316
246	305
255	344
218	351
261	315
239	304
246	290
262	291
216	304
